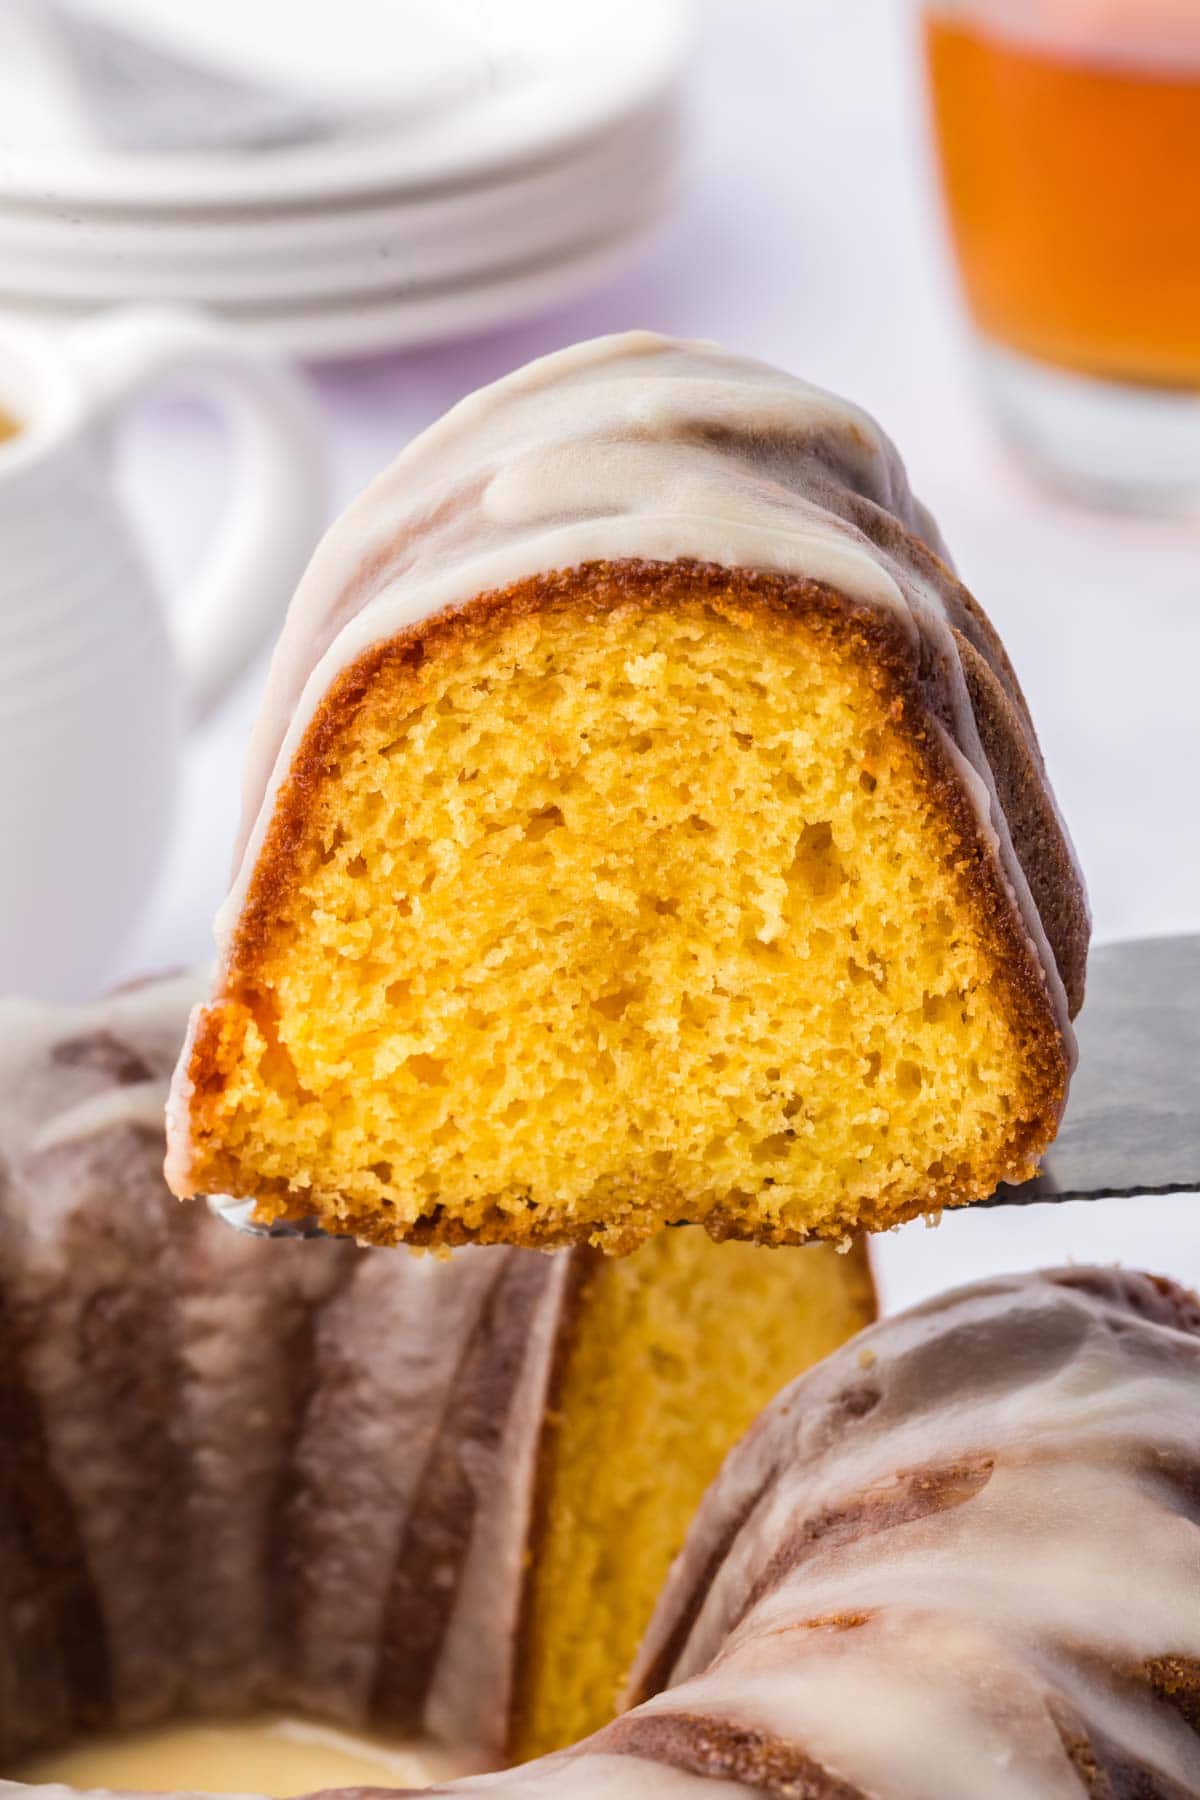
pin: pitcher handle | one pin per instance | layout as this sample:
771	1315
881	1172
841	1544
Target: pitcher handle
276	508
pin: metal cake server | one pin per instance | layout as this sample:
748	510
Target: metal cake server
1132	1124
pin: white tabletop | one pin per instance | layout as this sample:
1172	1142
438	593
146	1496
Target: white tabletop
810	236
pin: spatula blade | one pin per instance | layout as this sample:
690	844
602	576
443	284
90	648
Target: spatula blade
1132	1124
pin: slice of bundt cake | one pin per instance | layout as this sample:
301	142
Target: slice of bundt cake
643	825
424	1496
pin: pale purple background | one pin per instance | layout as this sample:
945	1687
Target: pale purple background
809	234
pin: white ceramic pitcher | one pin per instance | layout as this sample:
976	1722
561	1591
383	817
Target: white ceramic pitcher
96	690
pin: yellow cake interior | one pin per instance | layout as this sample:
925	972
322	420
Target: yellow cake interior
605	918
676	1350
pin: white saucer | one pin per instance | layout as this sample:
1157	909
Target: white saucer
401	319
333	251
538	77
475	201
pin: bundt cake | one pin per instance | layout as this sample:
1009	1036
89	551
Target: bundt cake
643	826
437	1496
960	1560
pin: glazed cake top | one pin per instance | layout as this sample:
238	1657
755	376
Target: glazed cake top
963	1543
629	447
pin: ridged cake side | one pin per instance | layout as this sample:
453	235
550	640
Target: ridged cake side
238	1473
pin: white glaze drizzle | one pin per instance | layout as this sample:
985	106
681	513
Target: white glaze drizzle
141	1103
470	1696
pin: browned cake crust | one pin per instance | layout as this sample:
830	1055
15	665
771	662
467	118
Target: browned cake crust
915	690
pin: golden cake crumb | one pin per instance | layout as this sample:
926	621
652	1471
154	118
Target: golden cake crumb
605	914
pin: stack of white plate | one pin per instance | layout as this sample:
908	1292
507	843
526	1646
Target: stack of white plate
489	159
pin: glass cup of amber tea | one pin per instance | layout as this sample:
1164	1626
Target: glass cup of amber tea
1068	134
